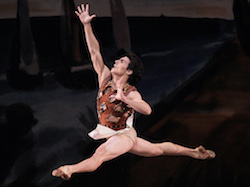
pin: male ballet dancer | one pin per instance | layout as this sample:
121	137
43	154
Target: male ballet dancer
117	100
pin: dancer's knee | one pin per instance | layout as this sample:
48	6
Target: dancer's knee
157	151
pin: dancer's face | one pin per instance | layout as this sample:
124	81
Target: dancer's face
120	66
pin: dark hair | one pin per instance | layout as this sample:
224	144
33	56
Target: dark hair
136	66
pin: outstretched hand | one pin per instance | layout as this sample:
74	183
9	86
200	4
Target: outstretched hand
83	14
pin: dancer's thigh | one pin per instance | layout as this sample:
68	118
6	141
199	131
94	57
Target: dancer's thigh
145	148
114	147
131	134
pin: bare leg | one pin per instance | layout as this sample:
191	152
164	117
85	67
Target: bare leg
148	149
112	148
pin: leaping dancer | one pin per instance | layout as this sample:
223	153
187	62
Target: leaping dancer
117	100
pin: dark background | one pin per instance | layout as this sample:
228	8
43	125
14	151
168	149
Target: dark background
196	80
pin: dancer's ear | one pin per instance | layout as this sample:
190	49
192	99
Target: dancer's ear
129	72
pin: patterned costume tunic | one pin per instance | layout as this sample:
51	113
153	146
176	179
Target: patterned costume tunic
114	116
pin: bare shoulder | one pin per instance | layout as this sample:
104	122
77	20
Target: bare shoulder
134	95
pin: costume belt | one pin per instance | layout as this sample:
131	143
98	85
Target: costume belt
115	127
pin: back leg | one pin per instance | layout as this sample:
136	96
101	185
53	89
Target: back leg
145	148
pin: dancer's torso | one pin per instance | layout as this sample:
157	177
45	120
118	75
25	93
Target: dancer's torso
113	113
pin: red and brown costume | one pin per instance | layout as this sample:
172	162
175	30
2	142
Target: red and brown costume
113	113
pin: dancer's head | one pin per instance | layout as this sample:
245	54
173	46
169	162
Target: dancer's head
136	66
128	64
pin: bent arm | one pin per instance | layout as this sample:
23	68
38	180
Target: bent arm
134	100
92	43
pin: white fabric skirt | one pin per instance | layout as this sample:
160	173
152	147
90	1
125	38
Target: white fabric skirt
101	132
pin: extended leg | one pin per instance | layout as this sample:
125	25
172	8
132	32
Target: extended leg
148	149
112	148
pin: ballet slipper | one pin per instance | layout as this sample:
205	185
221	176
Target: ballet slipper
60	173
211	154
205	154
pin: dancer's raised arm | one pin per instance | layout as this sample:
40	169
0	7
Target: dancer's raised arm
92	43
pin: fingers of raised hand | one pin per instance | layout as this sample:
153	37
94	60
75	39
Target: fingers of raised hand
82	6
87	7
78	11
81	9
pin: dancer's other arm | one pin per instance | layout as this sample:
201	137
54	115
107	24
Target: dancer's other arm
134	100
